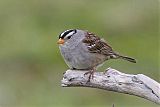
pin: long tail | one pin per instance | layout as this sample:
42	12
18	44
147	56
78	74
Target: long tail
127	58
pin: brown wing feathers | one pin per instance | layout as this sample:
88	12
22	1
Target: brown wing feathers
96	45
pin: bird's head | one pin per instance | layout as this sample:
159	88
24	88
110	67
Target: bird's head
66	35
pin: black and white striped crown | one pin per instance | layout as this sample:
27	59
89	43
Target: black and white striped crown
67	33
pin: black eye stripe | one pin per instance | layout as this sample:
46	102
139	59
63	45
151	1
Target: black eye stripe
63	34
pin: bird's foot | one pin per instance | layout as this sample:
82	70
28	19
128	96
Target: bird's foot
91	73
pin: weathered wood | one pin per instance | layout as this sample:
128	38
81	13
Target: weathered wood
114	80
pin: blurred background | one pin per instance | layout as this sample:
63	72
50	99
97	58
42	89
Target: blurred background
31	67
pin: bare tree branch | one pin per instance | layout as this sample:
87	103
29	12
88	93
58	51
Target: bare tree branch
113	80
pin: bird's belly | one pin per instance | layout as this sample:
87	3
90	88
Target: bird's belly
87	61
81	59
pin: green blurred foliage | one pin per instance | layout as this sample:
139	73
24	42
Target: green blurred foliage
31	66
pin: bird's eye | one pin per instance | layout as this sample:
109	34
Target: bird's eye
68	37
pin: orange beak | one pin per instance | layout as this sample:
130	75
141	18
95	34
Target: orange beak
60	41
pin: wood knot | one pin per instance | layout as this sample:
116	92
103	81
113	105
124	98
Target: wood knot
71	79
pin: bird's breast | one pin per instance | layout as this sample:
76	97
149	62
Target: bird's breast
80	58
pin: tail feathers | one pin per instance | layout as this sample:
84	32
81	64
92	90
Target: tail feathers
128	59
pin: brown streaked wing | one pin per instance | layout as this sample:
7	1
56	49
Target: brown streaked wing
96	45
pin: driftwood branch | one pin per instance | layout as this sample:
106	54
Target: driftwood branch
113	80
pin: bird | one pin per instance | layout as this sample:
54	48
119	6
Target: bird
84	50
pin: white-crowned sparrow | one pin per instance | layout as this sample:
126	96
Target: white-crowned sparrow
84	50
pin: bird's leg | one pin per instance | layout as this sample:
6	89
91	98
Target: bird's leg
91	73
